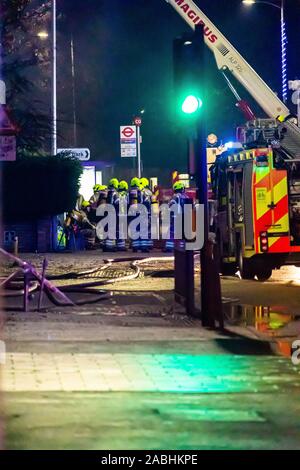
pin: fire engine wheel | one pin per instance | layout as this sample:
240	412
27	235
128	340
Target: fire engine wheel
228	269
245	266
263	274
250	269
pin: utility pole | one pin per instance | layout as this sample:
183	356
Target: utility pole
73	93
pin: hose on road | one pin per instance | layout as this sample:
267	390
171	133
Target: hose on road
14	288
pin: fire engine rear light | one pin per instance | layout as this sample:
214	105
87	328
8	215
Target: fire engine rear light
264	242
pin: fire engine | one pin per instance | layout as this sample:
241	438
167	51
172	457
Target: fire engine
256	189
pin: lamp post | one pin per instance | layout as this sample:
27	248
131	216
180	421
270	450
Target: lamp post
54	82
73	93
284	41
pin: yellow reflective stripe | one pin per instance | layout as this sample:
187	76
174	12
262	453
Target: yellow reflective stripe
263	199
273	240
261	173
282	225
280	190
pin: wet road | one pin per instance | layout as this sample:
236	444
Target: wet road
282	290
113	377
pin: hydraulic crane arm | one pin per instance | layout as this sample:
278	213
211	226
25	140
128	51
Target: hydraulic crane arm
228	58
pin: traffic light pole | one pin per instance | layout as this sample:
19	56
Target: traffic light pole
211	299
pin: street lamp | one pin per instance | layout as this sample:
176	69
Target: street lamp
284	41
43	34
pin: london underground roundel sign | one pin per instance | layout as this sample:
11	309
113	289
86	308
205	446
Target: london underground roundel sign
128	132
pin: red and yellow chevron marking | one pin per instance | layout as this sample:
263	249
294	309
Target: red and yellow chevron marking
271	186
175	177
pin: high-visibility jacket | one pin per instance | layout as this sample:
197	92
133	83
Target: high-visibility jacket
147	196
112	196
122	202
135	196
102	197
180	199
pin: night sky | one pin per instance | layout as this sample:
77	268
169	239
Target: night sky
123	57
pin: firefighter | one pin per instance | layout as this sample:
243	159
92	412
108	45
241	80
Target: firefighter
179	197
86	228
121	205
94	198
147	199
112	198
79	202
103	195
77	223
85	206
102	201
134	198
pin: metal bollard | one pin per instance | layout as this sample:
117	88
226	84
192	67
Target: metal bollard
16	246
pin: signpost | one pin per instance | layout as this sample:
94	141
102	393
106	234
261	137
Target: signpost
7	137
7	148
128	138
138	123
83	155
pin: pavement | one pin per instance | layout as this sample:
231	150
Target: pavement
133	372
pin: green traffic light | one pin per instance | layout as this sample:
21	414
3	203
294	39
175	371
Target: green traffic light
191	104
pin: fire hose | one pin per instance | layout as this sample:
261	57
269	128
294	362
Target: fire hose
11	287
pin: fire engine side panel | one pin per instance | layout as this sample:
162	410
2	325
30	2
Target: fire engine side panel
271	209
279	233
248	206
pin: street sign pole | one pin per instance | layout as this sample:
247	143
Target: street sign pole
138	122
139	151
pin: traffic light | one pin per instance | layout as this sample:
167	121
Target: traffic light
191	104
188	56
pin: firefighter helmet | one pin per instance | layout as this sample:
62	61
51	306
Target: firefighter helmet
113	183
135	182
178	186
85	204
144	183
123	186
96	188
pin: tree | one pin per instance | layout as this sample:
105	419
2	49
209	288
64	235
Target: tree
25	70
35	187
